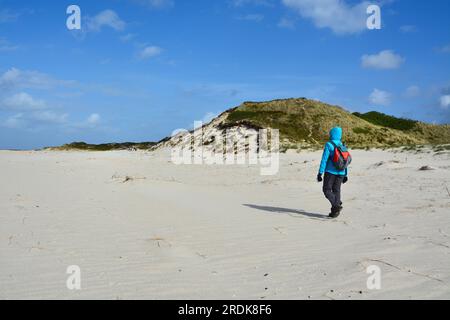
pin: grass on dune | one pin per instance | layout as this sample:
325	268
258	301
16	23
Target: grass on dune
308	122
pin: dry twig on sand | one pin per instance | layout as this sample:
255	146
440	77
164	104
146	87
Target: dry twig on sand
158	241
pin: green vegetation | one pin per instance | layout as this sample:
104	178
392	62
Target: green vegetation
359	130
106	146
304	122
387	121
441	148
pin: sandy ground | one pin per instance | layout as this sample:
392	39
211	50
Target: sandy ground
140	227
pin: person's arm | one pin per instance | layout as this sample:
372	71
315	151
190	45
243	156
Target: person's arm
323	162
344	181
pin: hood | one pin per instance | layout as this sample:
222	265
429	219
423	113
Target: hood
336	134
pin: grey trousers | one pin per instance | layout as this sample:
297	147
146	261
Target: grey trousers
332	188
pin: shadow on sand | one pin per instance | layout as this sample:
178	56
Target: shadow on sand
291	212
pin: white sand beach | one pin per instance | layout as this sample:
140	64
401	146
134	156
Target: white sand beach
140	227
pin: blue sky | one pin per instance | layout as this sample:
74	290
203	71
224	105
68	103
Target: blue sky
138	69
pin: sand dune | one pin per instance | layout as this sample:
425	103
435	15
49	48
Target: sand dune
140	227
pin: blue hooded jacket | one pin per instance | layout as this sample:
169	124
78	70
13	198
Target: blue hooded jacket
326	165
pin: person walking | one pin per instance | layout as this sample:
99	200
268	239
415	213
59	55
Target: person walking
334	164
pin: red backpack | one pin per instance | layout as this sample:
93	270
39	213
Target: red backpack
341	157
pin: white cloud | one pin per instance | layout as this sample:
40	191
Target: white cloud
106	18
150	52
128	37
49	117
31	112
412	91
93	119
19	79
380	97
14	122
445	101
34	120
22	101
43	118
10	77
386	59
337	15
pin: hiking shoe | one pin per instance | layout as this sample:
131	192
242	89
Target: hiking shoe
335	212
